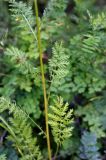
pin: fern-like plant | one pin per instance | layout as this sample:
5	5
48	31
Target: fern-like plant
55	9
98	22
89	149
72	53
24	63
23	14
60	119
20	132
84	50
58	66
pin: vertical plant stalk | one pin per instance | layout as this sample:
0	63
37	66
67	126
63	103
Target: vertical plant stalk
56	152
43	79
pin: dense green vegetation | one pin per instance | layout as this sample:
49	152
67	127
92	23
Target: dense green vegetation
53	80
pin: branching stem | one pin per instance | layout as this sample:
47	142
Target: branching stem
33	121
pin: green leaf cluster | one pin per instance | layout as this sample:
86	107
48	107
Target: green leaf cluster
2	157
89	149
58	66
60	119
19	130
73	37
94	114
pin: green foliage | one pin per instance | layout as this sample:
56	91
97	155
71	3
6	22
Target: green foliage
30	104
19	58
73	35
70	146
85	49
20	131
53	22
24	76
2	157
55	8
58	66
4	23
89	149
9	151
94	114
23	14
60	119
82	5
98	22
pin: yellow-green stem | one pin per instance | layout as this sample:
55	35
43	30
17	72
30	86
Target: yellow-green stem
43	79
56	152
